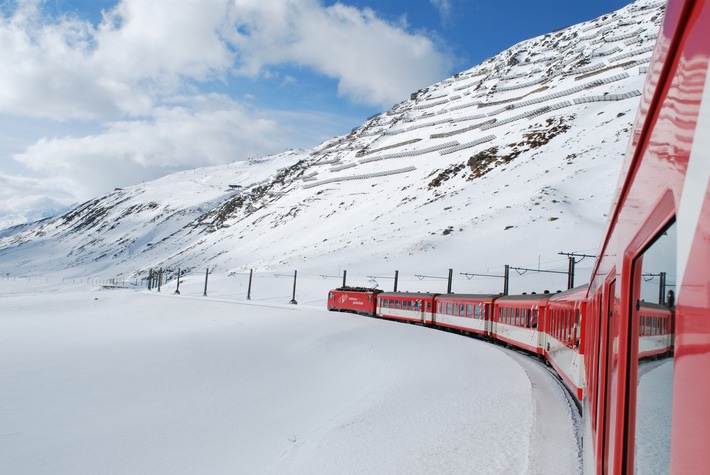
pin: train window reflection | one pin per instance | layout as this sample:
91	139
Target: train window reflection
654	305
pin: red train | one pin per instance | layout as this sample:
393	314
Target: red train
546	325
634	345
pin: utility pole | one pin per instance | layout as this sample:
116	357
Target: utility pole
662	289
207	273
293	298
572	261
373	279
449	278
505	277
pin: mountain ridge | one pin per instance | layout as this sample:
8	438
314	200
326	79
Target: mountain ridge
527	143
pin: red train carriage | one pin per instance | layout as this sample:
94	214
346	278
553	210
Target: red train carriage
405	306
521	320
467	312
353	299
643	417
655	330
564	337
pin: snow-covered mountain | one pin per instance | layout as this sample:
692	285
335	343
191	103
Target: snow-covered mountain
509	162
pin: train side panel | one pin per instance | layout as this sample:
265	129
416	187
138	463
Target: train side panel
566	315
355	300
643	416
655	330
521	321
466	312
405	306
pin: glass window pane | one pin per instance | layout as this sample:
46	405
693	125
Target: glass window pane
654	271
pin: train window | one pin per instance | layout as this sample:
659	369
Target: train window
330	295
469	310
461	310
456	309
428	306
653	302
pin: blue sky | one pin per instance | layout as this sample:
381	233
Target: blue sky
97	94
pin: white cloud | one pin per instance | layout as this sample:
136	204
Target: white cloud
174	138
67	68
375	62
122	76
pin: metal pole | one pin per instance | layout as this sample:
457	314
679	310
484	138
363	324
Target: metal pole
160	279
506	279
570	273
251	273
293	298
451	278
662	289
150	278
396	279
345	273
177	289
207	273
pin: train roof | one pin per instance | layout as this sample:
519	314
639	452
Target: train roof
523	297
356	289
406	294
575	292
468	296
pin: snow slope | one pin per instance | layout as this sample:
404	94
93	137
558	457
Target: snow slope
509	162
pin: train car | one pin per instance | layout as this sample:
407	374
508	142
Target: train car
405	306
642	417
466	312
655	330
353	299
565	339
521	321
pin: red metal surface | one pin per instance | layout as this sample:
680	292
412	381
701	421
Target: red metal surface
353	300
664	179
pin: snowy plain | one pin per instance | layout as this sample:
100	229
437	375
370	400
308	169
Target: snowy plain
102	380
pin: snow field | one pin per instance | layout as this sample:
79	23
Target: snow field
123	381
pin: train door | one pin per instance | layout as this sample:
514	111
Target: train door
486	315
608	328
533	324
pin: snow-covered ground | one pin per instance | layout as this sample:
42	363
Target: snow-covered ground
94	380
